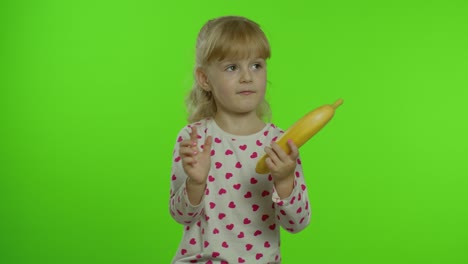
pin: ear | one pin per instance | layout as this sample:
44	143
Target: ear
202	79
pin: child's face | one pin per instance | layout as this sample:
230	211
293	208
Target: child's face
238	85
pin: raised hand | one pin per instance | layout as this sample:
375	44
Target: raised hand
196	162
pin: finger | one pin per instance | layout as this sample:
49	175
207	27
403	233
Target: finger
271	166
282	155
186	143
188	151
207	144
294	150
193	134
189	160
272	155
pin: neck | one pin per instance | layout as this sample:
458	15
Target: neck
240	125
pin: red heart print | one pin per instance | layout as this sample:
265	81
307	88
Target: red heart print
243	147
253	180
225	244
211	178
237	186
265	133
179	139
274	139
299	161
206	244
183	251
272	227
259	143
265	193
241	260
248	195
209	262
221	216
270	178
240	235
193	241
297	174
246	221
266	244
222	191
217	140
177	159
218	164
255	207
228	152
299	196
232	205
265	217
212	153
302	220
228	175
299	210
215	231
248	247
259	256
254	155
238	165
215	254
212	205
257	233
303	187
292	200
224	262
173	177
230	226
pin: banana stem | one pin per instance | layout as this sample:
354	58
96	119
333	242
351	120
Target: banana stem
337	103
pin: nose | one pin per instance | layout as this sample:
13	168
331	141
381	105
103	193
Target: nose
245	76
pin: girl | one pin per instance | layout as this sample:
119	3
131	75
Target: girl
230	213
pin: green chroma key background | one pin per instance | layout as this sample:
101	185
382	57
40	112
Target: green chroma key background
91	100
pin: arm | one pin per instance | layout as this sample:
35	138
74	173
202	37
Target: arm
289	194
188	181
294	211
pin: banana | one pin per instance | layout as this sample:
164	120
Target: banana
301	131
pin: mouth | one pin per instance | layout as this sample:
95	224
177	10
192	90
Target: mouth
246	92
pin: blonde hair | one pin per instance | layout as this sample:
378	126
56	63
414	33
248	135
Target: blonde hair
232	37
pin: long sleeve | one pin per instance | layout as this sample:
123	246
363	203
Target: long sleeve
294	212
181	209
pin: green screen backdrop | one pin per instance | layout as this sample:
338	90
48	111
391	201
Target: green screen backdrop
92	97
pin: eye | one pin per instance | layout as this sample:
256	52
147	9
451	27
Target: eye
231	68
257	66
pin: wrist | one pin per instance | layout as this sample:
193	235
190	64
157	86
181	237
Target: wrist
284	186
194	183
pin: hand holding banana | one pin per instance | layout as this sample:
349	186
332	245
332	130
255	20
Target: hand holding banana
302	130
